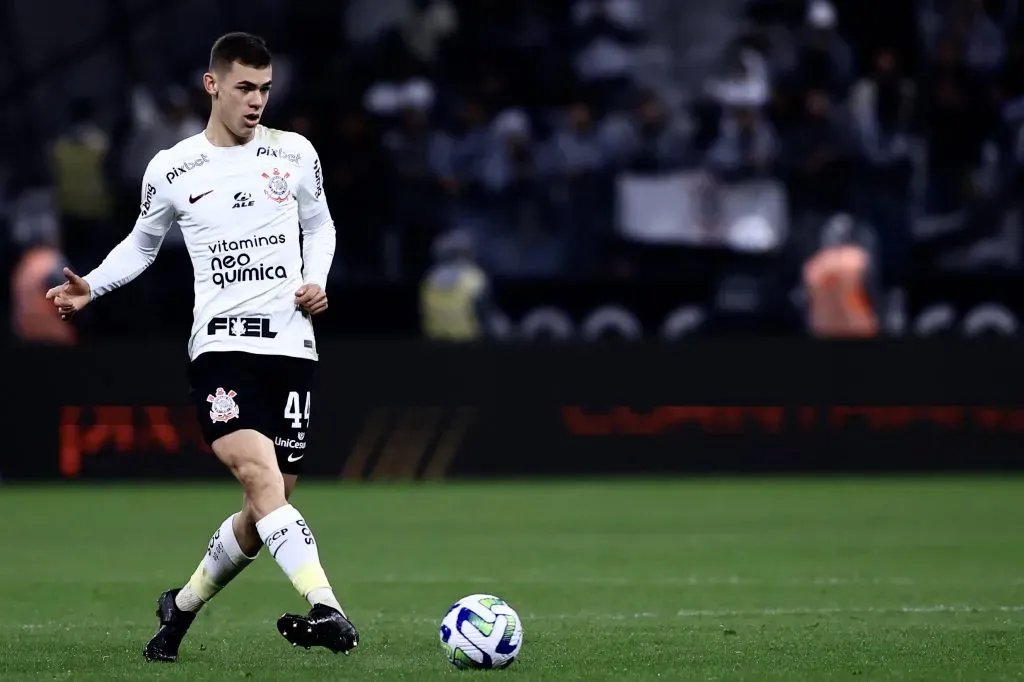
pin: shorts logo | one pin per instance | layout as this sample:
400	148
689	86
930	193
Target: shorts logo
292	443
277	186
223	407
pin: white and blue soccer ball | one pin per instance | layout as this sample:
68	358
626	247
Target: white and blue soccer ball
481	631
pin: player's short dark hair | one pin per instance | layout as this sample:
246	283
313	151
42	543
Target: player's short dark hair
245	48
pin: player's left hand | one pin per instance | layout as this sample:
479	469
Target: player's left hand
311	298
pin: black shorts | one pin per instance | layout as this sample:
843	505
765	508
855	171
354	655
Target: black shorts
267	393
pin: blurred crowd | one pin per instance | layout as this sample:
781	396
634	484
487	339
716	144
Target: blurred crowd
540	129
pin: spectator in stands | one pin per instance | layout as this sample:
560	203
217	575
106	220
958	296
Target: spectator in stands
458	152
648	139
746	74
358	174
496	53
882	109
84	200
817	164
984	47
411	147
40	267
1010	80
509	160
401	78
824	59
574	161
519	231
747	146
576	148
605	35
1009	97
840	282
478	121
955	123
158	121
425	24
455	300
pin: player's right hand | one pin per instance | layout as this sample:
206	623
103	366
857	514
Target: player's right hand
311	298
71	296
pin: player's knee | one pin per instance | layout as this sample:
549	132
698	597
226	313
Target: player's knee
252	460
255	474
263	486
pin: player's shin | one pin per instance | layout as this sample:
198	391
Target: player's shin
291	543
225	558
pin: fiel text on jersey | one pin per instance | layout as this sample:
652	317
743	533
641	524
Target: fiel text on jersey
251	327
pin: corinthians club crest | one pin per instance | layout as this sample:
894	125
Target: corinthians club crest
223	407
277	186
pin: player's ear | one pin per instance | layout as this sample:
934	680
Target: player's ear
210	84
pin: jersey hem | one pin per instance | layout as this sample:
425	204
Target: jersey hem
301	355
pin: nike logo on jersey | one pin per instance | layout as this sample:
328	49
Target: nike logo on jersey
293	458
192	199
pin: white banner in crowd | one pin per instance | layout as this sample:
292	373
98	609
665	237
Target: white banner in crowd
692	209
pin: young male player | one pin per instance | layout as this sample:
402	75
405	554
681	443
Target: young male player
240	192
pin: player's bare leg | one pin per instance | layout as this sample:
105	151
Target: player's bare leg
252	459
234	545
326	624
230	550
290	541
266	518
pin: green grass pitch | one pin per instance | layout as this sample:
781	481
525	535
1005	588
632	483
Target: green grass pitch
780	580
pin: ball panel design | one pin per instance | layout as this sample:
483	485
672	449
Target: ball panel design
481	631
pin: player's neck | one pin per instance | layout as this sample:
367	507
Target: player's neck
219	136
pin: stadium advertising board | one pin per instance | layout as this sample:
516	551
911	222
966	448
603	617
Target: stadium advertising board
968	306
716	299
412	410
536	309
99	440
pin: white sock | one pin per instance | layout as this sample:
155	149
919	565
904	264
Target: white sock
224	560
291	543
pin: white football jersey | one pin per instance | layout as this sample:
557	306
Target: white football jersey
240	210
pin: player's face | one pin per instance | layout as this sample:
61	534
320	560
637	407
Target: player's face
240	96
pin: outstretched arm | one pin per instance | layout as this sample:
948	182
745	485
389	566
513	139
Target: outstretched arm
138	250
127	260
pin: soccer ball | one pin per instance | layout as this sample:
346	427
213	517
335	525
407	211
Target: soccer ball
481	631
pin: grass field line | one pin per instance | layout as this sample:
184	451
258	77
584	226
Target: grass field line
865	610
613	581
643	615
694	580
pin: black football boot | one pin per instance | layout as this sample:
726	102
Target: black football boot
324	626
174	623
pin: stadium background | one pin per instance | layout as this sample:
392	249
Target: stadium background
621	171
675	207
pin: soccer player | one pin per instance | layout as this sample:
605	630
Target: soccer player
240	193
